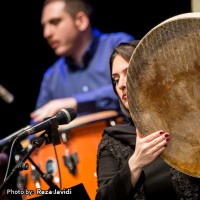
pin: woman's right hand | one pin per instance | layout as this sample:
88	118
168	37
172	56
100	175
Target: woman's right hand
147	149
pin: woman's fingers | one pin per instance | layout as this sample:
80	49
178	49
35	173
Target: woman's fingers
153	136
160	146
150	146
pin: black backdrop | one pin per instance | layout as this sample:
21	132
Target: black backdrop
25	54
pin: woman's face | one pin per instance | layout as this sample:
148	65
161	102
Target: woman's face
119	71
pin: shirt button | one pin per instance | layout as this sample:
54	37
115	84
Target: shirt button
85	88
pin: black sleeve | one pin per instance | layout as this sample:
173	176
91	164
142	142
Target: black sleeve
113	183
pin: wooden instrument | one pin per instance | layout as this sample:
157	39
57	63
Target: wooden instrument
163	88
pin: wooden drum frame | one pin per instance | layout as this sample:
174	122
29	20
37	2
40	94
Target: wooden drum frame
163	88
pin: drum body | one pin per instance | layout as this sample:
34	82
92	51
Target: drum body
76	159
163	88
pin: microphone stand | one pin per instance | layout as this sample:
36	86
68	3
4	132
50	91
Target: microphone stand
21	165
48	178
53	132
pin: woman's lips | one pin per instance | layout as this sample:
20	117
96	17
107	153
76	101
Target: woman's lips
124	97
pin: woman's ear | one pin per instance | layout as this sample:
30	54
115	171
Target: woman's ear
82	21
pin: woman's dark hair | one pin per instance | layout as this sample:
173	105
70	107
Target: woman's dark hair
124	49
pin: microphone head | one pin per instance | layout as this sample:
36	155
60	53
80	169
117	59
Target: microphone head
66	115
6	95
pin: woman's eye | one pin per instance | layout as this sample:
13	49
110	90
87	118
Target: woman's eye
115	81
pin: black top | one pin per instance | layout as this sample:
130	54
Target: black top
157	181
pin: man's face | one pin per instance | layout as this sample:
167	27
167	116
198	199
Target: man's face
59	28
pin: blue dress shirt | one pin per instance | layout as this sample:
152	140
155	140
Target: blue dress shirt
90	84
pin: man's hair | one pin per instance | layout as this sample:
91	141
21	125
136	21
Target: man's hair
74	6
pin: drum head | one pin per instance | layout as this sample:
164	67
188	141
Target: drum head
163	88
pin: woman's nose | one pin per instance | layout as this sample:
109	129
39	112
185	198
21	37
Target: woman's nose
122	82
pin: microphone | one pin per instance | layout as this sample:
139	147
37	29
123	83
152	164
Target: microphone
7	140
6	95
65	116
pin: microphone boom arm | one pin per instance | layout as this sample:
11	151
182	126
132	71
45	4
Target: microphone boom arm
24	166
21	165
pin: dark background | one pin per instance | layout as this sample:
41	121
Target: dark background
25	55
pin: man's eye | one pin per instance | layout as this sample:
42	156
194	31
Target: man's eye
55	21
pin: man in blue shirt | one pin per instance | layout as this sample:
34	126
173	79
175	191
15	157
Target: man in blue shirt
80	78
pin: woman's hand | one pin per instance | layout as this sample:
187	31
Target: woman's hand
147	149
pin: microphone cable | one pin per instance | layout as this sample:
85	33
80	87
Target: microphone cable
10	156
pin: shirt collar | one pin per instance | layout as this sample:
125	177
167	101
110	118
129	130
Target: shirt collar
88	54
